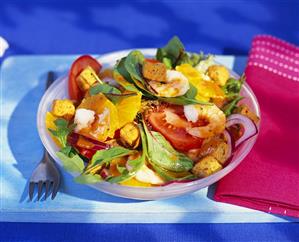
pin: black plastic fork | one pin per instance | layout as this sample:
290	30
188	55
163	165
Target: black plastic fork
45	174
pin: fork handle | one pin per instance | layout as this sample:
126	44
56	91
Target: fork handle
50	79
46	157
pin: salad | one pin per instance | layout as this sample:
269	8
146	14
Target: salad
150	121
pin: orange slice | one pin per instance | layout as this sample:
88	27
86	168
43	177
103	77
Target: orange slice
128	109
205	89
101	129
50	118
134	183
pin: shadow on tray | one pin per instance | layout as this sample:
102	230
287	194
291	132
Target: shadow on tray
27	149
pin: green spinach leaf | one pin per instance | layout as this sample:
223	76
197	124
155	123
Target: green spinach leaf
103	88
112	93
88	179
193	58
72	163
230	106
135	164
174	54
167	176
171	52
126	175
133	64
192	92
130	68
162	154
182	100
103	156
116	98
121	69
233	86
62	130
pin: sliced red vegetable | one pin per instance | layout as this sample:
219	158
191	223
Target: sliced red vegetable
250	128
230	142
174	132
77	67
231	146
104	173
97	145
88	153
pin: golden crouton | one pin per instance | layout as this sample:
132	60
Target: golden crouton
154	71
221	152
244	110
207	148
63	108
87	78
219	74
130	136
206	167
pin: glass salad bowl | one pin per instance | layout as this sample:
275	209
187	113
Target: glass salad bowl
58	90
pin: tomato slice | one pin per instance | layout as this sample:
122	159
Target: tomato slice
77	67
176	135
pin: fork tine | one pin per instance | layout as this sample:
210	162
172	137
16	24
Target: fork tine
31	190
48	183
55	189
40	187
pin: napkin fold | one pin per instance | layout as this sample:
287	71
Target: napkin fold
268	178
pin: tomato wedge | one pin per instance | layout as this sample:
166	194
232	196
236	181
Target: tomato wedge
77	67
176	135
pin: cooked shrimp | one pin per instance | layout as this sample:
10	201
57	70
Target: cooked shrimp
212	114
176	84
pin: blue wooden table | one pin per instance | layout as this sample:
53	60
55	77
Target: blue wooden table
53	27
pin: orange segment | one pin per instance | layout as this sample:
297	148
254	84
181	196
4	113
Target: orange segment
134	183
50	118
205	89
128	109
105	126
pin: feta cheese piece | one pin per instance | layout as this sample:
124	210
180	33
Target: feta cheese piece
103	121
147	175
203	65
83	118
104	117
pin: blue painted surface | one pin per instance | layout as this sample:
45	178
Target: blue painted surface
56	27
150	232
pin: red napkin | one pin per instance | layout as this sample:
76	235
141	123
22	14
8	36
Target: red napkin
268	179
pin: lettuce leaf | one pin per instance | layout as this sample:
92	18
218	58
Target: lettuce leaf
71	162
